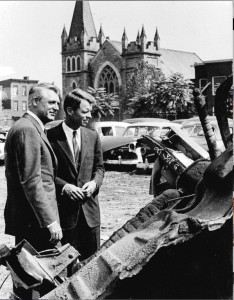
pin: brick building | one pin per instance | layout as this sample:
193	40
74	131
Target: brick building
14	99
91	59
214	72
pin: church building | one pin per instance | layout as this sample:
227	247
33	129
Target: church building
91	59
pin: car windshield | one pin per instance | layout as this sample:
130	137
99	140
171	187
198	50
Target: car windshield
143	130
196	131
119	130
187	129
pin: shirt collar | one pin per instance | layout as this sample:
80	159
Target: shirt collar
36	118
70	130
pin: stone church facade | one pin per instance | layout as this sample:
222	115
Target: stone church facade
91	59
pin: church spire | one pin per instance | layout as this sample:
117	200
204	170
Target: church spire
124	40
157	40
64	36
101	36
143	39
138	38
82	19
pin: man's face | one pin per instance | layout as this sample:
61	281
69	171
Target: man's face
81	116
47	105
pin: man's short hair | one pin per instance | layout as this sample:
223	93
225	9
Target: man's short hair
73	99
34	92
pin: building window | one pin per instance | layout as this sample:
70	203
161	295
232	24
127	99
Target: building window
24	105
73	64
78	63
108	79
15	90
24	90
73	85
68	65
202	83
216	81
16	105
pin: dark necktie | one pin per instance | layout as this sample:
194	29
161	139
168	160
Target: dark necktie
75	147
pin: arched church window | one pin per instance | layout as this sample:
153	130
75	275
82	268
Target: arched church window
78	63
73	64
108	79
73	85
68	65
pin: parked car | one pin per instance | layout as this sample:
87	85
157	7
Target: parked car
112	128
3	134
194	129
2	154
154	129
129	154
52	124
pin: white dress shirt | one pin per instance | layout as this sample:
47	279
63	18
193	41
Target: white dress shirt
69	135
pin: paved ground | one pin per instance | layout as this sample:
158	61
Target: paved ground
121	197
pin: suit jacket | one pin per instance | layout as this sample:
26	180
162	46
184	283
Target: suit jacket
91	168
30	171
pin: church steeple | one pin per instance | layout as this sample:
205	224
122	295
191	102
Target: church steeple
124	41
138	38
157	40
101	36
64	36
82	19
143	38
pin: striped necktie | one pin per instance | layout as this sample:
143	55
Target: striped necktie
75	147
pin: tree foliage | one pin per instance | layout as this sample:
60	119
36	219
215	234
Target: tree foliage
105	103
150	93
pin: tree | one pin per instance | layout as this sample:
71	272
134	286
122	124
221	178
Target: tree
105	105
150	93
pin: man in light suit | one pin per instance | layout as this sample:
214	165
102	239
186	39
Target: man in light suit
31	210
80	174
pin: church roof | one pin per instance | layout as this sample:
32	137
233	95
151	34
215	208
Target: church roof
117	45
171	61
82	17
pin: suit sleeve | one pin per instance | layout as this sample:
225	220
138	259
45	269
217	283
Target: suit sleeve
98	167
28	158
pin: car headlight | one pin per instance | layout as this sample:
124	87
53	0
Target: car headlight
143	151
132	146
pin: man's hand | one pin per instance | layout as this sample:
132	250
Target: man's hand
73	192
55	232
89	187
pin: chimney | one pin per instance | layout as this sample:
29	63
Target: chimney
26	78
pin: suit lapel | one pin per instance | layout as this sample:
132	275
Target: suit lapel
63	143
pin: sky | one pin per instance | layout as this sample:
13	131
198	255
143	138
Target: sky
30	31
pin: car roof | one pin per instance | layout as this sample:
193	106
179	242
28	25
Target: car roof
52	124
138	120
113	123
160	124
196	121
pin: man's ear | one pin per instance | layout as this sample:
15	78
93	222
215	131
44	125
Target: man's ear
69	111
34	102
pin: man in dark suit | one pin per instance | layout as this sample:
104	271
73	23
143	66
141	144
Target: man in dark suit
80	174
31	210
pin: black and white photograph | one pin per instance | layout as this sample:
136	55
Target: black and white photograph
116	150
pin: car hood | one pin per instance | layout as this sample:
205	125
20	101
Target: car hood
112	142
